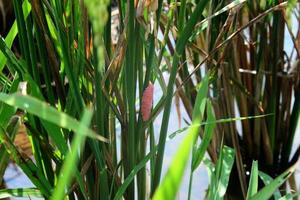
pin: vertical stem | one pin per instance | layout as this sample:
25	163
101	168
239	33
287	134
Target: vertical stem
22	33
187	31
130	93
277	41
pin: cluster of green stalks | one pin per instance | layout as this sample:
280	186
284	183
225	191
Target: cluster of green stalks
79	94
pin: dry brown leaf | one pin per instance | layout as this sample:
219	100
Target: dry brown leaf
22	141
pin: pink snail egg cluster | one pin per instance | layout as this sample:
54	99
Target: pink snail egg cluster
147	101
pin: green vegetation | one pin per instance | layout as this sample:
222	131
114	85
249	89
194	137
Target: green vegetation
76	82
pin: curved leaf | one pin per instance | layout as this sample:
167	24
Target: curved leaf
48	113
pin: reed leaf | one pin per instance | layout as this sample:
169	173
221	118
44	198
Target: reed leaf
48	113
266	192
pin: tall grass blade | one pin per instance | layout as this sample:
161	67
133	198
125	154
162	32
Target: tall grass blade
9	39
11	129
29	168
266	192
20	192
267	180
186	33
208	133
135	170
226	163
253	183
72	158
198	152
48	113
181	130
170	184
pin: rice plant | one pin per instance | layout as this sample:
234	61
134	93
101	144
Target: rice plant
78	77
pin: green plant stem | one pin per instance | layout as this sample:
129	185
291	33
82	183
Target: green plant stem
130	81
187	31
